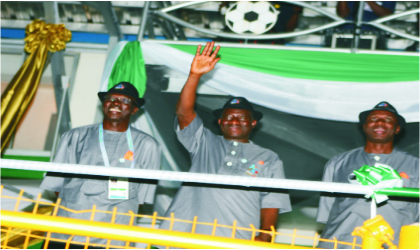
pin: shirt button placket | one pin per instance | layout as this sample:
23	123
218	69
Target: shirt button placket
230	158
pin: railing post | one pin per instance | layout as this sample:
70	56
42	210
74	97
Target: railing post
358	28
144	18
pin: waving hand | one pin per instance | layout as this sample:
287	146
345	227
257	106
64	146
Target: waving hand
205	62
202	63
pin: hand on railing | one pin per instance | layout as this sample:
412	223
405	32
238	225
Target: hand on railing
263	237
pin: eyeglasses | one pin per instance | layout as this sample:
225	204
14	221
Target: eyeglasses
120	99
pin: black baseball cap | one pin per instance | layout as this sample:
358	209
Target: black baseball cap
238	103
124	88
386	107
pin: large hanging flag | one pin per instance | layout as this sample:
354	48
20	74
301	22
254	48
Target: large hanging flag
125	63
318	84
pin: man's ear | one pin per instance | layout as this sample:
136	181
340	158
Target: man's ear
218	121
398	130
254	122
364	128
135	109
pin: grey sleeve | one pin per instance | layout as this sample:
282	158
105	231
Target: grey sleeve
62	154
152	155
325	203
275	199
191	136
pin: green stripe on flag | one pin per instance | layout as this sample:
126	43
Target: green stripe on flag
23	174
320	65
130	67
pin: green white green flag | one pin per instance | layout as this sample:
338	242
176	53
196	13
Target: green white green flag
319	84
125	63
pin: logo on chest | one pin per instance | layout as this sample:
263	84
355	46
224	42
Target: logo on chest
253	170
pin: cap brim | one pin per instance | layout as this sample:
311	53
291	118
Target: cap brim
139	101
255	114
364	114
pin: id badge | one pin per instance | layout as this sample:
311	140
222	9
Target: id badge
118	188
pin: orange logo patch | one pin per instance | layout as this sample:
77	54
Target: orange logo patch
129	155
404	175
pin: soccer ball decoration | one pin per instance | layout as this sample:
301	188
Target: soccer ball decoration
254	17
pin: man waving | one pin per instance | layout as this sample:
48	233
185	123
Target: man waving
230	154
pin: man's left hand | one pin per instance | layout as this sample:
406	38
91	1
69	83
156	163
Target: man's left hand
263	237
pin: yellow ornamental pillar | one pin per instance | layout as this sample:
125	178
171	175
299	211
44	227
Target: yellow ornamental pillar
409	237
375	232
40	38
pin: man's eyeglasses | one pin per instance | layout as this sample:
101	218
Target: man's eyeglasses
120	99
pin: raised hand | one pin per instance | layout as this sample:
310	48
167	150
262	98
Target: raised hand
205	62
201	64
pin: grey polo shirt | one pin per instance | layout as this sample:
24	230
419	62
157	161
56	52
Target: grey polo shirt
215	155
343	214
81	146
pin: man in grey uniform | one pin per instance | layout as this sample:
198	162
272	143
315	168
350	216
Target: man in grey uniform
343	214
112	143
230	154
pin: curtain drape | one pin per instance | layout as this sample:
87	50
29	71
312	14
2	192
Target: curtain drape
41	38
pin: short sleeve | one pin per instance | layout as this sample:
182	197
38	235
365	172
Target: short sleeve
191	136
55	183
325	202
151	160
275	199
146	193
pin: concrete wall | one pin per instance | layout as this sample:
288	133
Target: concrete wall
32	131
84	100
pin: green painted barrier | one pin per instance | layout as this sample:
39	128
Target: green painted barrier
23	174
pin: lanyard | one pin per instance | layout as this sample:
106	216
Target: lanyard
102	145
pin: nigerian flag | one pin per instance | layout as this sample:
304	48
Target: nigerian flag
321	84
125	63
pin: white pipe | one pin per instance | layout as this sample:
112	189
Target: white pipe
188	177
395	16
245	36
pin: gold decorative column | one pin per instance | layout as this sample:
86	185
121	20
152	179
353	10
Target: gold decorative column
40	38
375	232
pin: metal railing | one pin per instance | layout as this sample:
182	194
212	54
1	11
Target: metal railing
31	225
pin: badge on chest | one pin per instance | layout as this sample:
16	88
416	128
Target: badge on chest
253	170
118	188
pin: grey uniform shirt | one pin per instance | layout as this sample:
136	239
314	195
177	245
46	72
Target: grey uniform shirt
81	146
343	214
215	155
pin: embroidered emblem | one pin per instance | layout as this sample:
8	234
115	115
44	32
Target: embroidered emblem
252	171
404	175
129	155
119	86
383	104
235	101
